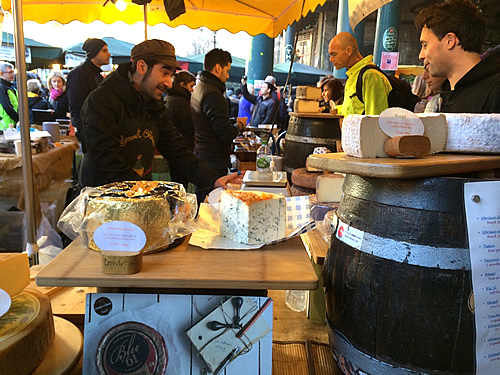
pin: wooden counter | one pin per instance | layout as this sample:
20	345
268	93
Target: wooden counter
284	265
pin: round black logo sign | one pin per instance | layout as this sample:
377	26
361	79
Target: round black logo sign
103	306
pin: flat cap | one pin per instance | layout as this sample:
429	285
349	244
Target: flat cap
155	49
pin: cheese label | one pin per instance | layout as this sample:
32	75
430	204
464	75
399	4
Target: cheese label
132	348
396	122
349	235
120	236
5	302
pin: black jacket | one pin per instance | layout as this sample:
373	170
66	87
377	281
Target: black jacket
61	106
123	131
37	102
478	91
177	102
214	132
264	109
82	80
5	101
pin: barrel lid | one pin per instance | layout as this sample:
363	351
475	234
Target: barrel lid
314	115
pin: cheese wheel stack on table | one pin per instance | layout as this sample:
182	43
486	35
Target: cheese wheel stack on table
307	99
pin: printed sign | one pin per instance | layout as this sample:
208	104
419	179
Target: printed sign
389	61
396	122
390	39
120	236
349	235
482	208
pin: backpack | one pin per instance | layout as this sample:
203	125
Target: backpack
400	95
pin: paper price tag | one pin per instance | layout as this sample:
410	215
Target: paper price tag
396	122
120	236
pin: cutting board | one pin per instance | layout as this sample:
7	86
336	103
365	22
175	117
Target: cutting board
427	166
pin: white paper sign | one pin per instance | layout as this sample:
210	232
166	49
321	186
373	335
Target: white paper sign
120	236
396	122
349	235
482	208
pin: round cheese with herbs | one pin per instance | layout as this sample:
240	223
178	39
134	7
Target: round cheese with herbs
132	348
26	332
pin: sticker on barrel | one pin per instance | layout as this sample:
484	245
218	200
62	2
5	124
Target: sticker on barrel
349	235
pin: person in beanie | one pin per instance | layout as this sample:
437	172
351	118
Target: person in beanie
125	120
85	78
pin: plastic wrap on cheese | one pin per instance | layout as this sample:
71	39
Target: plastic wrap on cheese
163	210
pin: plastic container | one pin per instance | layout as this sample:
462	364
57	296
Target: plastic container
297	300
263	160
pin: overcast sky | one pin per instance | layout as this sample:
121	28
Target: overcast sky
181	37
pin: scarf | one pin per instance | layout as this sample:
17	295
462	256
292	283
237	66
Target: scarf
54	94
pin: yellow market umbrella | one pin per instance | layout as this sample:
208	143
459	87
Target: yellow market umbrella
268	17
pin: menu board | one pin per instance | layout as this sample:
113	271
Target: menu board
482	208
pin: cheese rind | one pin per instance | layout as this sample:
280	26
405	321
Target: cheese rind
259	222
308	92
14	273
306	106
473	133
363	138
26	333
329	187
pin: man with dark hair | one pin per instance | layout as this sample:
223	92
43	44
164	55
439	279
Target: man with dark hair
451	37
85	78
214	132
344	53
265	104
125	121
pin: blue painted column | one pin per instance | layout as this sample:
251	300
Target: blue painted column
387	30
260	63
290	41
342	25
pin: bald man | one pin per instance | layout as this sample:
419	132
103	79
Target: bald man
344	53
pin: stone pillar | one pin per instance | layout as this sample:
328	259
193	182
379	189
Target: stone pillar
260	63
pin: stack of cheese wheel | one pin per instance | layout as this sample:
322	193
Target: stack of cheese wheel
303	182
27	328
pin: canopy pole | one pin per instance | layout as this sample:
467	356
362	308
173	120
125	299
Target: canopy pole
145	12
27	161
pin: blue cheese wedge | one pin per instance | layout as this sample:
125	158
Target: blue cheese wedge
252	217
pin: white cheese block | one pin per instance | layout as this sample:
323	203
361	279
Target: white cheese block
26	333
329	187
306	106
308	92
473	133
363	138
252	217
14	273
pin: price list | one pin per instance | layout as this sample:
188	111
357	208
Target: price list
482	207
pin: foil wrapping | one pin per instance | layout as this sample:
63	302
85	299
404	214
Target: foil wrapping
163	210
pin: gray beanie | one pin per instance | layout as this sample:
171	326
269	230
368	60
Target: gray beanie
92	46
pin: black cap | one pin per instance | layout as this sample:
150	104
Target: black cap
92	46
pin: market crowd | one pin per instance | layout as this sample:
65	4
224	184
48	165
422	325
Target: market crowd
150	105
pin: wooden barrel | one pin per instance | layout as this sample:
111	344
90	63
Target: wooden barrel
305	132
397	278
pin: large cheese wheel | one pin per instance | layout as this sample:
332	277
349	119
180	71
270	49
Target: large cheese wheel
301	177
26	333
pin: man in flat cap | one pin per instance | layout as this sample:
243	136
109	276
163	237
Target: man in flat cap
265	104
85	78
125	121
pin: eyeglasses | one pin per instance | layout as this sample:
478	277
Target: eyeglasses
8	72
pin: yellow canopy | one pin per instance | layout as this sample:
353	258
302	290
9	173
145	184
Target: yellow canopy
268	17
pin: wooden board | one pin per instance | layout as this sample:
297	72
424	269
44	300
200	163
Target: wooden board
315	115
428	166
284	265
